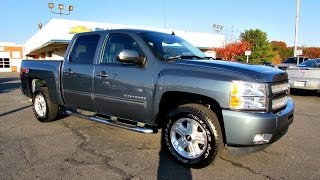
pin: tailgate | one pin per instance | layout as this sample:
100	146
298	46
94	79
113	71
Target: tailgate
304	72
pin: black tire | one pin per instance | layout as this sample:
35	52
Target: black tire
48	110
207	124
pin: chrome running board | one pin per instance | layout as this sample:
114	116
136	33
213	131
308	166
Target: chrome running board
114	123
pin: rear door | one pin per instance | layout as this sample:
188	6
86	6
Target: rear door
122	89
77	72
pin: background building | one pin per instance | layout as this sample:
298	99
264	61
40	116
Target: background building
11	55
51	41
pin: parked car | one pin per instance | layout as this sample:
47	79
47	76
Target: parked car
144	80
291	61
305	76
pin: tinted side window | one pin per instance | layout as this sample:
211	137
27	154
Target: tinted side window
301	60
318	62
290	60
117	42
84	49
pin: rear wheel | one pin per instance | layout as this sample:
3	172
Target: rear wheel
193	135
43	108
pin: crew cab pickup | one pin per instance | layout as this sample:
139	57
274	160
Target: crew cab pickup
145	81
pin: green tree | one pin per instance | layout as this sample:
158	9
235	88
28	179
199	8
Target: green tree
260	47
281	48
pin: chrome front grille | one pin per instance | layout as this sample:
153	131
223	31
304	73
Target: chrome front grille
279	95
280	88
279	103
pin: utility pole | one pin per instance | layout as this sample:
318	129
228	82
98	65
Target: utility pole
296	28
164	15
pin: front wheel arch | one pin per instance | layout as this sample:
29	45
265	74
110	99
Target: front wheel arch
173	99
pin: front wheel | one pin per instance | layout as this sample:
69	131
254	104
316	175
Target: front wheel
193	135
43	108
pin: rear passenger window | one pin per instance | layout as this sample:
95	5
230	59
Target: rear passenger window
84	49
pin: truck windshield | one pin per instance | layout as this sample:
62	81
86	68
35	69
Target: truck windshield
170	47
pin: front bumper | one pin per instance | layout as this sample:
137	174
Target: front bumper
242	127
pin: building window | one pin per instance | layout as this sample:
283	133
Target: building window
4	63
50	53
16	54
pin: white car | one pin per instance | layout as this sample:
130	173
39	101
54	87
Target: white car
305	76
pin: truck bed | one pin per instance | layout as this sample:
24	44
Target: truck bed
48	70
304	72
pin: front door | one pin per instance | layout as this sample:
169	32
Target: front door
121	89
77	77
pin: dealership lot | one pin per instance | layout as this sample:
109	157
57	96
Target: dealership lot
73	148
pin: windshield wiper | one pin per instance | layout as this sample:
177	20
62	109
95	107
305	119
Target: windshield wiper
186	57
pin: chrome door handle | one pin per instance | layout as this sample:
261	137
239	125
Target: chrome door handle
68	71
102	74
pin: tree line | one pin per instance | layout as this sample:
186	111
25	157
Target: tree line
262	51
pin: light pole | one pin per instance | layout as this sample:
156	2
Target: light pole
296	29
217	28
60	7
40	25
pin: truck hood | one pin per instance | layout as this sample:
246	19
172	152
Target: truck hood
259	72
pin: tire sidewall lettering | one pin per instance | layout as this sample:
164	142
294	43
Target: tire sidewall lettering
169	145
208	133
203	123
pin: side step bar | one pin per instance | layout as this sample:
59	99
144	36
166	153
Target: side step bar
114	123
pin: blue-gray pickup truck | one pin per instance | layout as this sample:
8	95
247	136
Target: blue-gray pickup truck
145	81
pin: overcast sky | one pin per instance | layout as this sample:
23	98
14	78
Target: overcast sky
19	18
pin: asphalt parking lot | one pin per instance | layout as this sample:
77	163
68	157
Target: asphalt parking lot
74	148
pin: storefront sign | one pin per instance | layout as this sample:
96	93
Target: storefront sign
79	29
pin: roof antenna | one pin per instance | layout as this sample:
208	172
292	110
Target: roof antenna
173	33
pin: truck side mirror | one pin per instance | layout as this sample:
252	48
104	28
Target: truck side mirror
130	56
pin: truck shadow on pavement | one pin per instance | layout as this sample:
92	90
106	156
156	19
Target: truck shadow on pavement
15	110
8	84
168	169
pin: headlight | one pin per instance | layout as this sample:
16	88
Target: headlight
248	96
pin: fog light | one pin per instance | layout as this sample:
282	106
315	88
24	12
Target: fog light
262	138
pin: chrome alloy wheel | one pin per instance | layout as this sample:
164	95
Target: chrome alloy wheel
40	105
188	138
